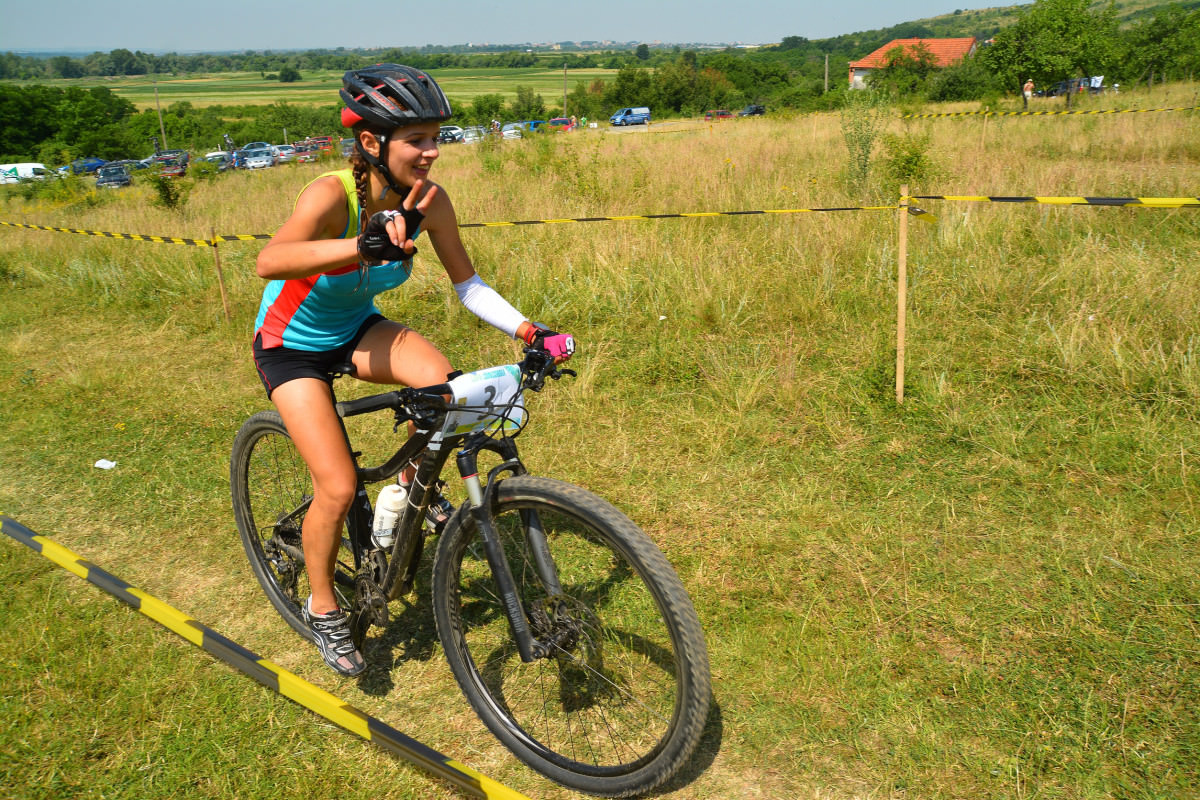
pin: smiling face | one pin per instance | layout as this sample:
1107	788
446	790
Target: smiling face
411	151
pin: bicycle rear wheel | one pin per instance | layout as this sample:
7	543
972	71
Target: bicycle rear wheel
272	489
620	704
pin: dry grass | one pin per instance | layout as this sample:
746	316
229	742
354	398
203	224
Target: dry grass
988	592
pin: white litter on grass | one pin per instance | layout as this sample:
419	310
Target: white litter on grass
660	319
104	463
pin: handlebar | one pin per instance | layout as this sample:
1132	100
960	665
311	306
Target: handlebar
426	402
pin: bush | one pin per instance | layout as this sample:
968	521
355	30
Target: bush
169	193
906	160
863	116
203	170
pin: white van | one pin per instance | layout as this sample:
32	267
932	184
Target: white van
29	171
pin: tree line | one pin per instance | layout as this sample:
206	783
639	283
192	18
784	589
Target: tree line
123	62
1052	40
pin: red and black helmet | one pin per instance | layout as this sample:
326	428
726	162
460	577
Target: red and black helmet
387	96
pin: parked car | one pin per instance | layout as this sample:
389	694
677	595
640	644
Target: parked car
306	154
635	115
450	134
320	142
171	166
113	176
560	124
512	130
222	159
257	159
83	166
475	133
257	146
345	147
285	153
535	125
716	115
182	155
127	163
753	110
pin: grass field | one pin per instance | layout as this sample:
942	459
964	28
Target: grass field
320	88
989	591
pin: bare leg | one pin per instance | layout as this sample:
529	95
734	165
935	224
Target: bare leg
394	353
306	406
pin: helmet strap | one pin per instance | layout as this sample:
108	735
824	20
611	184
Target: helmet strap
380	163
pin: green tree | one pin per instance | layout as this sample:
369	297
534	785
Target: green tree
642	53
905	70
1054	40
1170	41
528	105
289	74
970	79
632	87
64	67
485	108
125	63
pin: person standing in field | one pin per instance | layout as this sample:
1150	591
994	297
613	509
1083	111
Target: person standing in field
1027	92
350	237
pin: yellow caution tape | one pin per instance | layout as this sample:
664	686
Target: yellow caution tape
1045	113
272	676
1123	202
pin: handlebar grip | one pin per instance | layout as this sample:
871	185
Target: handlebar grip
365	405
437	390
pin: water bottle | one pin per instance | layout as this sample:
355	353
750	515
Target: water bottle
388	507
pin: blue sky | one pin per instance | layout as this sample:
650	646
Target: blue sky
163	25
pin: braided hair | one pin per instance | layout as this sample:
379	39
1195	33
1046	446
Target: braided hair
362	182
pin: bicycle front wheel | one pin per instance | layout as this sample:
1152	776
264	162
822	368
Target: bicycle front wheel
272	489
619	704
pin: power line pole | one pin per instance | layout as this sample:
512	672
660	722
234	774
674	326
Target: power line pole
161	129
827	73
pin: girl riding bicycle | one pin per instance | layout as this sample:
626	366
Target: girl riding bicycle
350	237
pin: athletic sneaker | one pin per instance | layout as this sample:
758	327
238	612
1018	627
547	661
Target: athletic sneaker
332	634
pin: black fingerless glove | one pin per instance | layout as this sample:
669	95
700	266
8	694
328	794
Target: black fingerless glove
374	245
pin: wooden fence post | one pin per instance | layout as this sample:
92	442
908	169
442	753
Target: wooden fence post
902	294
220	275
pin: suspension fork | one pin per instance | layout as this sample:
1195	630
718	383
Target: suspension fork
480	499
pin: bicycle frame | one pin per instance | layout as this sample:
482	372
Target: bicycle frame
406	552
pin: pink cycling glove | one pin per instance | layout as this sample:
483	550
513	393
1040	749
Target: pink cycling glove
559	345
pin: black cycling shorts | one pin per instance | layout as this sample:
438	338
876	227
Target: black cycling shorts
278	365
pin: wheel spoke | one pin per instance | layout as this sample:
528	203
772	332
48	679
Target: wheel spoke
604	700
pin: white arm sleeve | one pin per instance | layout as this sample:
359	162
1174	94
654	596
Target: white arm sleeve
486	303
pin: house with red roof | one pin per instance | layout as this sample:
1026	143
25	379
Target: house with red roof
945	52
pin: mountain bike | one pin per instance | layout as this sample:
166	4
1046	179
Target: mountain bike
564	625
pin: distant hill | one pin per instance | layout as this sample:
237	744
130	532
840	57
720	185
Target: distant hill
985	23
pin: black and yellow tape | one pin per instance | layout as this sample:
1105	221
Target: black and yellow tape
1046	113
1121	202
240	237
246	237
137	237
684	215
268	674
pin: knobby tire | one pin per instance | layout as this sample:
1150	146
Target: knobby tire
620	706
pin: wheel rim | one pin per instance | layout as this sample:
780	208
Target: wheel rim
606	701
